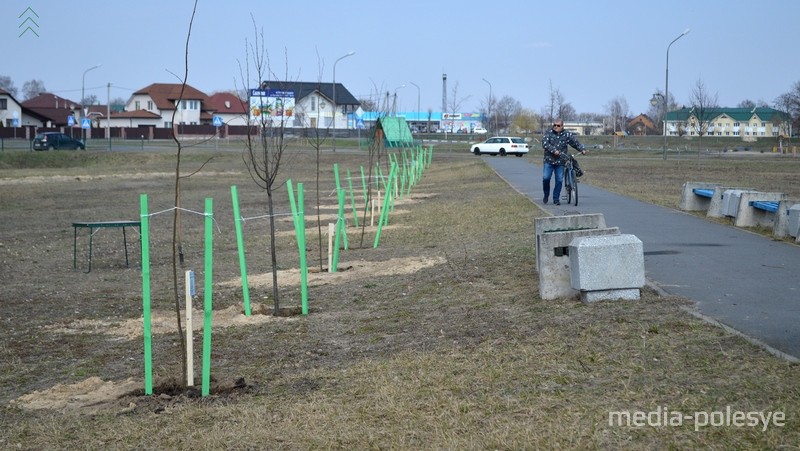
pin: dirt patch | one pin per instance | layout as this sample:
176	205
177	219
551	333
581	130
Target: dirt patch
94	394
89	396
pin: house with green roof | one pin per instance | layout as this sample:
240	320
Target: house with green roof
746	123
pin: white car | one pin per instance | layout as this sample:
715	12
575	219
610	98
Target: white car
501	145
480	131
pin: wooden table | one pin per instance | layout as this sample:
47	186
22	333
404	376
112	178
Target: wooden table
100	225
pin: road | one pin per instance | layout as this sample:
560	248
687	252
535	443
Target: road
741	279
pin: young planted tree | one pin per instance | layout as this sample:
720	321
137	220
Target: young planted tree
177	226
265	142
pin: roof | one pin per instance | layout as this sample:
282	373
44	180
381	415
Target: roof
395	131
48	100
226	103
738	114
138	114
52	108
303	89
165	94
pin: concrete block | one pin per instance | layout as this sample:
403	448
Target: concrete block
565	223
730	202
632	294
749	216
607	263
782	227
691	201
794	221
716	205
552	256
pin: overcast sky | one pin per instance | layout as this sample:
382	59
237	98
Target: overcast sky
591	51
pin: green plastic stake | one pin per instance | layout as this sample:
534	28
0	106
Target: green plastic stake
385	209
364	184
301	243
237	221
300	231
352	199
340	231
341	222
207	288
148	334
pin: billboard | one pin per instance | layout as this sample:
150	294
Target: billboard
271	104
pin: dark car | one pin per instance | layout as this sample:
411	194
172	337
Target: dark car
56	140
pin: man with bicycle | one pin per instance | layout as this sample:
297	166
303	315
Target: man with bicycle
555	142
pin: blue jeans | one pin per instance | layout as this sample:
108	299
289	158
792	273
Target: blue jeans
547	174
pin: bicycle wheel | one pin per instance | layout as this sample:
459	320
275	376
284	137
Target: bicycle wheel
575	188
568	183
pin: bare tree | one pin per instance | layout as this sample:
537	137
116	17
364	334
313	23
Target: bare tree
32	88
505	110
368	104
567	112
454	104
790	103
7	84
177	228
265	141
617	109
89	100
704	106
552	109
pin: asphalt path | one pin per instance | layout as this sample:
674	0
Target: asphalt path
745	281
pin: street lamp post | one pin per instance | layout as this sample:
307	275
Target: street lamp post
666	91
83	107
350	53
394	100
490	103
417	86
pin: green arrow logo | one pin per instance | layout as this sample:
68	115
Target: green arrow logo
28	22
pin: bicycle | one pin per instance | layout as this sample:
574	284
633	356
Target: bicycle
571	175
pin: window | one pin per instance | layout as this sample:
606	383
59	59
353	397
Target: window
313	104
3	104
137	105
150	105
167	124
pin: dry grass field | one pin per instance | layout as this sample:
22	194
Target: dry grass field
436	339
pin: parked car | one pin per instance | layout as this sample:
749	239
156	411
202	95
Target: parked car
502	145
56	140
480	131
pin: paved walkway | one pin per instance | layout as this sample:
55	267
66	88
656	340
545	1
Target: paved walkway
741	279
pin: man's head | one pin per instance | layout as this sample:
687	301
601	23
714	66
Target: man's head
558	125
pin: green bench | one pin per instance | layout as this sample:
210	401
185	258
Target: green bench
92	226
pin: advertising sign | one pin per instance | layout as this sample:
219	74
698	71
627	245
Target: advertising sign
273	103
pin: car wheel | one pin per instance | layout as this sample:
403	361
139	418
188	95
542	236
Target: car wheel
476	151
519	154
502	152
51	147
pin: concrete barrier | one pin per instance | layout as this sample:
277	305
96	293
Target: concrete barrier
718	200
553	237
690	201
565	223
749	216
793	223
607	267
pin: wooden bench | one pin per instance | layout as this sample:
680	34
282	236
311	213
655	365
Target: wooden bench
100	225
